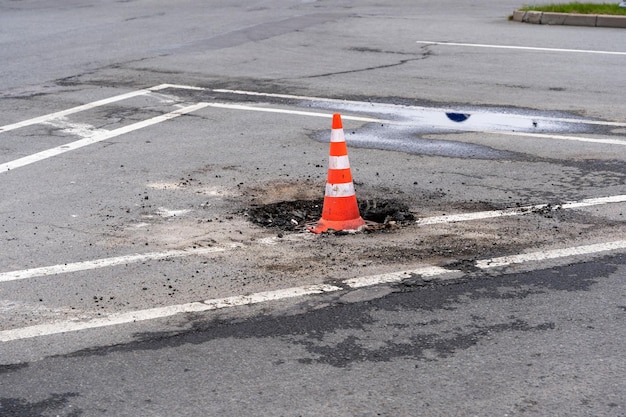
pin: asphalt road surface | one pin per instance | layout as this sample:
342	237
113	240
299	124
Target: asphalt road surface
160	165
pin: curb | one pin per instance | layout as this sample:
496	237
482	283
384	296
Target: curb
569	19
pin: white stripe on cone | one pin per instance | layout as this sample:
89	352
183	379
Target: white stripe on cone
338	162
337	135
340	190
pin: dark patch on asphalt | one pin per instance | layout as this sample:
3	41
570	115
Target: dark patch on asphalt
20	407
254	33
465	265
350	350
587	166
314	328
12	368
296	215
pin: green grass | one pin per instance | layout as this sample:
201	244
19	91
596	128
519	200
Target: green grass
581	8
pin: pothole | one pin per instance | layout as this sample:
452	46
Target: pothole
298	214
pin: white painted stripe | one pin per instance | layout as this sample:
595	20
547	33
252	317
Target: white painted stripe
337	135
338	162
107	262
480	215
78	129
177	86
98	137
551	254
341	101
265	296
111	320
72	110
518	210
402	106
427	271
526	48
340	190
451	127
594	201
161	312
560	137
294	112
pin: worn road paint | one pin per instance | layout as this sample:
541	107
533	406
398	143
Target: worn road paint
417	108
293	112
95	138
525	48
161	312
426	271
517	211
108	262
77	109
394	122
620	142
551	254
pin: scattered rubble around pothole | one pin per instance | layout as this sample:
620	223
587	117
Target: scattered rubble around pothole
297	215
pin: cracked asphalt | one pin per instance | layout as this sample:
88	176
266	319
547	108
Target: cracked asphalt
128	222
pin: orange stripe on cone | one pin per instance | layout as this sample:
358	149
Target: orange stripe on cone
340	211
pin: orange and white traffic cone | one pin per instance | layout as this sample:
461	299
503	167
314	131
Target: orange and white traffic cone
340	211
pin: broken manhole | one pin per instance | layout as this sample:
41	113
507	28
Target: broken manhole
299	214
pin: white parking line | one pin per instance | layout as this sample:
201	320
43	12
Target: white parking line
516	211
525	48
426	271
162	312
261	297
107	262
402	106
551	254
404	123
292	112
95	138
619	142
77	109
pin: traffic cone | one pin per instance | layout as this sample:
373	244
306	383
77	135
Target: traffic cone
340	211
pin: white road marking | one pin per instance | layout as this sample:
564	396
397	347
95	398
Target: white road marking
97	137
82	130
594	201
108	262
526	48
551	254
177	86
293	112
420	108
403	123
562	137
63	113
426	271
213	304
517	211
161	312
163	212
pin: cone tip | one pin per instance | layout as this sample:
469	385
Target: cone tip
337	121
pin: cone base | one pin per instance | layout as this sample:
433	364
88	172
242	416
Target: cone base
325	225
